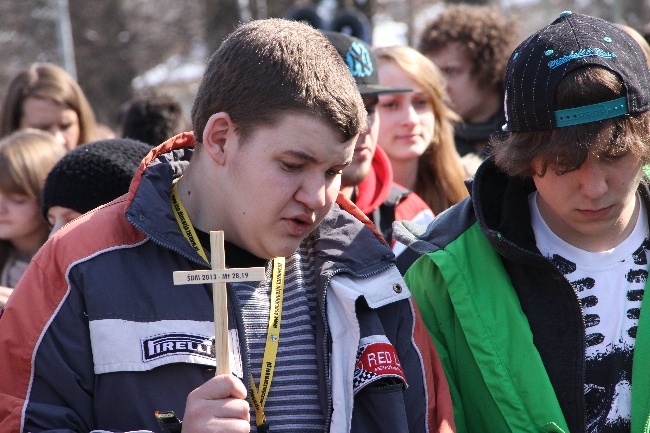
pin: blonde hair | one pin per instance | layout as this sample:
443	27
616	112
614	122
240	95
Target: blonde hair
441	178
26	157
50	82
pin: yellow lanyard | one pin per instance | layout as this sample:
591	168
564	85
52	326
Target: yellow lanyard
258	395
185	224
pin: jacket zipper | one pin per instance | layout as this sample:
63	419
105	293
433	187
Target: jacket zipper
178	251
326	354
243	344
499	237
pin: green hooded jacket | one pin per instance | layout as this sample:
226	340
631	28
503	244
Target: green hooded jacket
498	380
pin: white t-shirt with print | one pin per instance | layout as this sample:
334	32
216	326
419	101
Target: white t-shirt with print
610	287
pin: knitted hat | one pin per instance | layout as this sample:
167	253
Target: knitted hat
93	174
362	64
572	41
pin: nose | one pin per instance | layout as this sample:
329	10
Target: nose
372	117
313	192
592	178
410	116
59	223
58	135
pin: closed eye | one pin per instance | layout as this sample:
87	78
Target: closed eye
19	198
612	157
332	172
388	104
614	153
290	166
451	71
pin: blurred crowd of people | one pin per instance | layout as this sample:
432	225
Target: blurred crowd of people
480	194
44	116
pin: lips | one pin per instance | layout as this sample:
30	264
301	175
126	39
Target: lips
361	152
595	213
300	225
409	138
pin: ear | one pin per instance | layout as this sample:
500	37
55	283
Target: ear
219	135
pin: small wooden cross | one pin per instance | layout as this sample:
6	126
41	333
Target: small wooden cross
219	275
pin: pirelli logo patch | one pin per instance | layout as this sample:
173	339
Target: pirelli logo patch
375	361
176	343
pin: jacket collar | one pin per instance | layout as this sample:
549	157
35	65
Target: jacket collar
373	191
345	236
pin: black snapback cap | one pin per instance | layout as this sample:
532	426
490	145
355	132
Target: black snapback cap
572	41
362	63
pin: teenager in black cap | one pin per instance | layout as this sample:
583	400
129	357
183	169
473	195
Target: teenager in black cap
368	180
532	288
90	176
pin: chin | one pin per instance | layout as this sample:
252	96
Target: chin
288	247
286	252
284	249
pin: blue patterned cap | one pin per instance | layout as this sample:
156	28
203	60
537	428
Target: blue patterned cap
572	41
362	64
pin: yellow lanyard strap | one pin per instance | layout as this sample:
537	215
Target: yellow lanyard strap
185	224
258	396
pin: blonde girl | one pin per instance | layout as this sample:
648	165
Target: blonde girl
26	157
416	128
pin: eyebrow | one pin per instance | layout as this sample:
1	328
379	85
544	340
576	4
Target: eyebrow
310	158
301	155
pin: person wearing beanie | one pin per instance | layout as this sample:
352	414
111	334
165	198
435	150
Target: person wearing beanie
90	176
533	287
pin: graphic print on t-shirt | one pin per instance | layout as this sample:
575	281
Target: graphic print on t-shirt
611	300
610	286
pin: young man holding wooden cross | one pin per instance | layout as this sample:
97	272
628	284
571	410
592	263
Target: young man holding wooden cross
98	337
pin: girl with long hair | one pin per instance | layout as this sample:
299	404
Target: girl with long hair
44	96
26	157
416	129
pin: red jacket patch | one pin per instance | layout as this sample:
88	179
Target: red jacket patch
376	361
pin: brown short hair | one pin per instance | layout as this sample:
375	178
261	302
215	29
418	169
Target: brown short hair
152	118
565	149
489	36
50	82
268	68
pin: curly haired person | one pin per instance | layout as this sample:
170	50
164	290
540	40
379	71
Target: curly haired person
471	45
